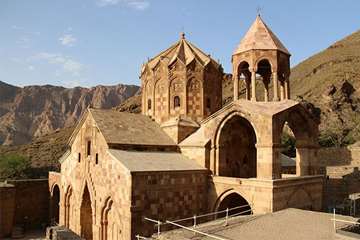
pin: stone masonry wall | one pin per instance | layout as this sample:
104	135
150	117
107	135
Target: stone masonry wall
7	207
32	202
167	196
341	166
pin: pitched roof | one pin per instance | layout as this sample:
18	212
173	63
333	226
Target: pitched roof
260	37
129	128
182	50
140	161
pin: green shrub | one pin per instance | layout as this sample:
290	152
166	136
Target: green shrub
13	166
288	143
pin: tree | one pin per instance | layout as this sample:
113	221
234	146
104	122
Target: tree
13	166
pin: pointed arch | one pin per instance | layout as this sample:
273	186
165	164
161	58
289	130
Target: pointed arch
110	229
86	215
68	203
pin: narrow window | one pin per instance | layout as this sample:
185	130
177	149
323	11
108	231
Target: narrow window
89	148
79	157
97	158
149	104
208	103
176	101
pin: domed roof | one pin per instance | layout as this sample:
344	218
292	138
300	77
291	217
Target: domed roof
182	50
260	37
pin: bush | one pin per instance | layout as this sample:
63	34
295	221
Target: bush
13	166
288	143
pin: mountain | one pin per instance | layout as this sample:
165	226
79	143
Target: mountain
33	111
331	81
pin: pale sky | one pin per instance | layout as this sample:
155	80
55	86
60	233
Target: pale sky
91	42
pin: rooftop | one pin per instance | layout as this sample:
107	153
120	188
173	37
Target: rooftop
260	37
294	224
129	128
182	50
141	161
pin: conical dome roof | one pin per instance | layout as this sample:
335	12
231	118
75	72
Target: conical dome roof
182	50
260	37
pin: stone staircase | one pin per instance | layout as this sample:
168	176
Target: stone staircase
17	232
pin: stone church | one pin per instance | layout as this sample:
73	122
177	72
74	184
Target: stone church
186	153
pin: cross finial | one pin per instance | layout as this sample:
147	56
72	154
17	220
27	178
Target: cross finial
258	10
182	35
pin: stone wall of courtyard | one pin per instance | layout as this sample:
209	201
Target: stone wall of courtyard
24	203
341	166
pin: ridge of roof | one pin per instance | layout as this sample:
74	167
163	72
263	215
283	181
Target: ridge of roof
183	50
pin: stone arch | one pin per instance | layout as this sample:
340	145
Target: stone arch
55	204
68	205
300	199
244	69
240	161
110	229
235	201
86	215
305	133
264	69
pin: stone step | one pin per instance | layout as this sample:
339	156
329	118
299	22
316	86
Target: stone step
17	232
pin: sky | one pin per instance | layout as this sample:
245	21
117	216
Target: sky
104	42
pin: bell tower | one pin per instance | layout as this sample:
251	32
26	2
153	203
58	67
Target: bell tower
261	61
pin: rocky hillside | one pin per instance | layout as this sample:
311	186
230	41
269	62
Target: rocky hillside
331	80
33	111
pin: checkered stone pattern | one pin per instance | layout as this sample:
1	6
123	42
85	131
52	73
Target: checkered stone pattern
194	98
160	101
170	196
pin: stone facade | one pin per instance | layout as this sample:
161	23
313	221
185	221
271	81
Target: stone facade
185	154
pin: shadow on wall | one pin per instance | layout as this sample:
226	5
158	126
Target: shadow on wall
336	156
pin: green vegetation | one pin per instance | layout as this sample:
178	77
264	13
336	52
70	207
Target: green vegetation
288	142
13	166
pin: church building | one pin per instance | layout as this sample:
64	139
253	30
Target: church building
188	154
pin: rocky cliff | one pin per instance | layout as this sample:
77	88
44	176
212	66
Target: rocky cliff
33	111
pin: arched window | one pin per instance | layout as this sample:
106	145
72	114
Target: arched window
79	157
149	104
176	101
97	158
89	148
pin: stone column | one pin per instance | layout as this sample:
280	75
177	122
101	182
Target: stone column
287	89
282	90
266	88
236	87
268	161
253	85
247	84
276	88
153	102
302	161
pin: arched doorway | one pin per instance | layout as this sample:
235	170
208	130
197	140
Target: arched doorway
236	204
86	216
55	201
237	151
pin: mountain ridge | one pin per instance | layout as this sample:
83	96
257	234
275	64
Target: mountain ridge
32	111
